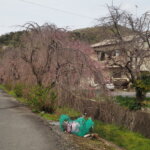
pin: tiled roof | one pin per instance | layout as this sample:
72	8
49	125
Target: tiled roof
111	41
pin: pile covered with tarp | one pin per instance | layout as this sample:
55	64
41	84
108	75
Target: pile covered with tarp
80	127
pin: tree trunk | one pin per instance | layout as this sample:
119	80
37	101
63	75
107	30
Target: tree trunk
39	82
140	95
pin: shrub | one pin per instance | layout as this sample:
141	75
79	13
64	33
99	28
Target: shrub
38	97
26	92
43	99
144	82
129	102
18	89
142	86
8	86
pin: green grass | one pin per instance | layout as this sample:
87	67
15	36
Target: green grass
131	102
122	137
10	92
52	117
59	111
69	111
2	87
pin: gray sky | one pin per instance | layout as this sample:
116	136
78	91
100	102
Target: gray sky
64	13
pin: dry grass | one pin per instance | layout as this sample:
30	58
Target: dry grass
89	144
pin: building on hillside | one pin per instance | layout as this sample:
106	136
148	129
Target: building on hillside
108	49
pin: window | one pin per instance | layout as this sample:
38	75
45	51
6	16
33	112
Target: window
117	52
116	74
102	56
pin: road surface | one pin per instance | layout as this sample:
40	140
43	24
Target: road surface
20	129
124	93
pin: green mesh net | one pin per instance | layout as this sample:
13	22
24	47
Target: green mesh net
80	126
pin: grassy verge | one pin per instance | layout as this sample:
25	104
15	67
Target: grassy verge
122	137
49	116
131	102
59	111
118	135
2	87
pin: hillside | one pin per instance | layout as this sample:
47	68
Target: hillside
95	34
90	35
10	39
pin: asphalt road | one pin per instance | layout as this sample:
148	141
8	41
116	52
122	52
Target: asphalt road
129	94
20	129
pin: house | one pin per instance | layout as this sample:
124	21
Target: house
109	50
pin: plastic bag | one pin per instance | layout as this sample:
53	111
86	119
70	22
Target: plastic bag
80	126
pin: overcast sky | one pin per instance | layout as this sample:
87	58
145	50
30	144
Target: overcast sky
64	13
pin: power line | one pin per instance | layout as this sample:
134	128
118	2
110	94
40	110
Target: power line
56	9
